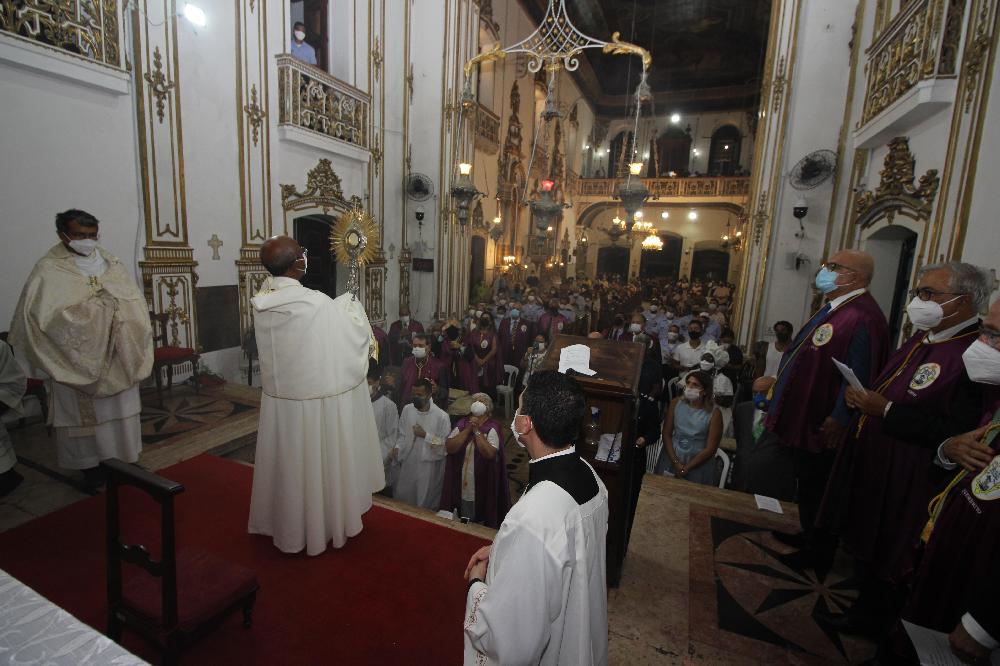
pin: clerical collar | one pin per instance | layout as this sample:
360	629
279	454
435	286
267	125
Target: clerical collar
280	282
840	300
568	471
951	332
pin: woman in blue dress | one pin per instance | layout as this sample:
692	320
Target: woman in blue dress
692	431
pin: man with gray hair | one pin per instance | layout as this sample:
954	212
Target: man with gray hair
883	478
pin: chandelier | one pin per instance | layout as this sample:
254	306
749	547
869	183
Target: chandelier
652	242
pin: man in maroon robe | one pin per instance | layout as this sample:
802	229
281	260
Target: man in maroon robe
383	346
483	371
883	476
551	323
956	587
401	334
515	334
422	365
807	408
476	468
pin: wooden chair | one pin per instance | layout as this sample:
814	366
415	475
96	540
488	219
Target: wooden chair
165	356
186	593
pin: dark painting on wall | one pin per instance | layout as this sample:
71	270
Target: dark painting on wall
218	317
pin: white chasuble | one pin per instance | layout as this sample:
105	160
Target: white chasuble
422	459
318	457
545	596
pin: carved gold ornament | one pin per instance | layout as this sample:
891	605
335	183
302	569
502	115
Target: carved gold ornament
322	187
896	190
85	28
158	82
255	113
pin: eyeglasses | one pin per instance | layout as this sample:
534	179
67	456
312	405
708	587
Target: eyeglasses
990	336
835	267
83	235
926	293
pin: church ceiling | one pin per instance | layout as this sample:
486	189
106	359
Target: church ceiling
706	53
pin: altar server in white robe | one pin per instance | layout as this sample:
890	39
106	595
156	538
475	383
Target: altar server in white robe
387	422
538	595
12	385
317	461
84	324
420	449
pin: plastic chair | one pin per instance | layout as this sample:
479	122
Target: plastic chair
722	459
652	455
505	391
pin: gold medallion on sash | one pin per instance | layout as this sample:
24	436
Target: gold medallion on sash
986	485
823	335
925	376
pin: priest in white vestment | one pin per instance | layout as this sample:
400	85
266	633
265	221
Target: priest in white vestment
12	385
420	449
317	461
387	422
538	595
84	324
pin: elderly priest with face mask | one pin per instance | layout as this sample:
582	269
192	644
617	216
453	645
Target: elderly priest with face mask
83	322
883	477
318	456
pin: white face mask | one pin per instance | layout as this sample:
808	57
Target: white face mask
419	352
405	319
513	430
671	336
372	389
479	313
982	362
653	308
926	314
692	394
670	315
478	408
85	247
706	365
540	346
634	328
299	35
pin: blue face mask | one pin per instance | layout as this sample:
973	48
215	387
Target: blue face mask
515	313
826	280
760	401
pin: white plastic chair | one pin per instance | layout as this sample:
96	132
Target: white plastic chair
723	458
506	391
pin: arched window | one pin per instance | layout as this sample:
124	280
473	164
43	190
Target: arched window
724	155
674	151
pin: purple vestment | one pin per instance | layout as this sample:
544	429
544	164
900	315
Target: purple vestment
491	487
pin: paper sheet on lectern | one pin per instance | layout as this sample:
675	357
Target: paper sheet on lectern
576	357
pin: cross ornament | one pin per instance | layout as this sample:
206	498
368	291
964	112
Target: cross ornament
215	243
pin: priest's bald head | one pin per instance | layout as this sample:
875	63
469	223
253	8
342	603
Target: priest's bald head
282	256
550	413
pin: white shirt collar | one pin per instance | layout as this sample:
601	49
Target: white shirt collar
840	300
564	452
281	282
950	332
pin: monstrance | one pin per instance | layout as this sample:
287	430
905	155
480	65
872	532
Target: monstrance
354	241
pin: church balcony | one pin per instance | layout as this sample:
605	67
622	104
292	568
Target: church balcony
487	130
319	110
661	188
912	68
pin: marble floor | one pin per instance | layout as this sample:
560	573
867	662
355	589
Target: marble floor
703	581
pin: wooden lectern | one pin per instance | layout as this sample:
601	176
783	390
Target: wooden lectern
615	391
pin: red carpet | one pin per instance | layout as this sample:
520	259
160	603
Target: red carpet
393	594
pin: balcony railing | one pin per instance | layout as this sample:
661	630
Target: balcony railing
312	99
85	28
721	186
487	129
917	46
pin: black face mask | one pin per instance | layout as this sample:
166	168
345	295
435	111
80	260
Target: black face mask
694	335
419	402
485	323
554	309
619	323
451	332
783	336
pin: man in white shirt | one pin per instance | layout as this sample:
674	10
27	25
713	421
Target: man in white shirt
300	49
538	595
420	449
387	422
688	354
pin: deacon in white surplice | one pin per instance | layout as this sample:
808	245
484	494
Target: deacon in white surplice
423	428
317	461
83	324
538	595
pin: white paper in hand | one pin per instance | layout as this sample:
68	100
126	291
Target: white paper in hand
768	503
852	379
575	357
931	646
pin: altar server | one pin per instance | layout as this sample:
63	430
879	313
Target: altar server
807	408
420	449
883	476
387	422
318	457
83	322
538	595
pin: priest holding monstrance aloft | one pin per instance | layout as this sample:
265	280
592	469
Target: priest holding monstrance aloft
318	457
